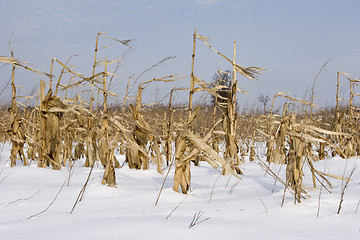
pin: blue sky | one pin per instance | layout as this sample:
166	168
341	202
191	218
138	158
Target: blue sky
292	39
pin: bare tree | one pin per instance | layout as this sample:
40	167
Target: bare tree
264	99
223	79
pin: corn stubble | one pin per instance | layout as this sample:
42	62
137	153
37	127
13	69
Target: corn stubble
61	130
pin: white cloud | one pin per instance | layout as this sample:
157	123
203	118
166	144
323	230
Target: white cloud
209	2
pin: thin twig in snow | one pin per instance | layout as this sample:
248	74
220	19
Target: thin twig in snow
262	202
212	191
157	200
233	187
2	168
278	173
82	191
4	177
51	202
321	188
180	203
71	168
357	207
21	199
196	219
228	181
343	189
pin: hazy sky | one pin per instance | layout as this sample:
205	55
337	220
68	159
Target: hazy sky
292	39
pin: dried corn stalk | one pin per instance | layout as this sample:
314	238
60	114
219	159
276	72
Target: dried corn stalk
141	135
106	154
51	112
249	72
231	148
91	145
276	150
321	151
17	137
107	147
16	134
137	154
182	176
297	140
294	168
68	140
213	158
169	126
158	160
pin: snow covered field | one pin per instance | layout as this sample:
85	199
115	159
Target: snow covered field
246	209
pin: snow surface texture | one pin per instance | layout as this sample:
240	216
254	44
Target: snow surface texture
238	209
